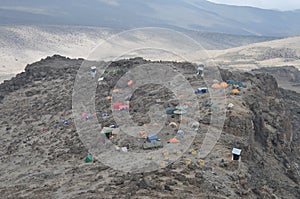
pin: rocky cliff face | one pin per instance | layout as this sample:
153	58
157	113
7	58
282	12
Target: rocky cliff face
41	157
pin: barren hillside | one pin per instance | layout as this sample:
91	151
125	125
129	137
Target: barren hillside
281	52
22	45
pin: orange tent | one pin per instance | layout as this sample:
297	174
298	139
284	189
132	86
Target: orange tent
130	83
216	86
173	140
224	85
235	91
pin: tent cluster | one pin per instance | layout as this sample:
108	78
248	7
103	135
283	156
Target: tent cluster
235	86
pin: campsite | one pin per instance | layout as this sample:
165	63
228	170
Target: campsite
44	153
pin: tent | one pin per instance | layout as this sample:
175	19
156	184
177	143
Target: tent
208	104
88	158
184	107
143	134
130	83
116	90
201	90
223	84
230	105
65	122
170	110
200	70
240	84
124	107
180	112
93	68
230	81
173	140
152	138
235	91
110	131
173	124
83	115
104	115
117	105
195	125
188	103
216	86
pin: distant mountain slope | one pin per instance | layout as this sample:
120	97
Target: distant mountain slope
21	45
187	14
281	52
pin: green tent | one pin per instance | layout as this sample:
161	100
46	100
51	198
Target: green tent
88	158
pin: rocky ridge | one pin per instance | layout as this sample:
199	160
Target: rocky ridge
40	157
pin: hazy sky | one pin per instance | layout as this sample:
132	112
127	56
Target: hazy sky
268	4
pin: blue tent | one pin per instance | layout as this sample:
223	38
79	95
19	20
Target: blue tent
170	110
230	81
65	122
201	90
240	84
152	138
